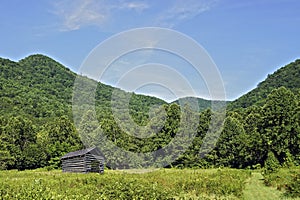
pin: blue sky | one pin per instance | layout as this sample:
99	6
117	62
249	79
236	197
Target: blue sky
246	39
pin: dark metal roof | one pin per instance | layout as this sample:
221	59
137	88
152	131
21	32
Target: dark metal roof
94	150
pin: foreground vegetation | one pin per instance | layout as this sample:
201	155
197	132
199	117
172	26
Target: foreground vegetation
207	184
160	184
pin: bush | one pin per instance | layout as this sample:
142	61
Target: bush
271	164
286	180
293	188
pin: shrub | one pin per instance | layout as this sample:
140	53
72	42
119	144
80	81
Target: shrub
293	188
271	164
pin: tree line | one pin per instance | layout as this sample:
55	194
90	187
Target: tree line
249	137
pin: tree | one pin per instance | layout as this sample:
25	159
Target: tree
278	126
255	148
17	136
271	164
231	144
61	138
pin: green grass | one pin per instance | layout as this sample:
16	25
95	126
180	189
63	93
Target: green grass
159	184
255	189
270	187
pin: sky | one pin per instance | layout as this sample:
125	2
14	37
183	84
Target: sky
247	40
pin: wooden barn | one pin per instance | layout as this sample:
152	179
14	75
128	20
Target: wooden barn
84	161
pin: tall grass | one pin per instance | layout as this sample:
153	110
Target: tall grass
160	184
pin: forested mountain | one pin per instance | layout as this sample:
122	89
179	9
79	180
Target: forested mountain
287	76
39	87
37	123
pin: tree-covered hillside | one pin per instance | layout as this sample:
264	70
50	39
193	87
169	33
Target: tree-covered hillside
36	87
41	88
287	76
37	122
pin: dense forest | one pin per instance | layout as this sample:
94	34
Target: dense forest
261	128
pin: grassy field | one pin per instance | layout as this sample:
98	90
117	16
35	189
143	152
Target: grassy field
157	184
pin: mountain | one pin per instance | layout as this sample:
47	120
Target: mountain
38	87
287	76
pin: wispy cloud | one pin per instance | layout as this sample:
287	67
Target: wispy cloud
76	14
183	10
137	6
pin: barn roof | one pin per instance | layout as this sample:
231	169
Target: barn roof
94	150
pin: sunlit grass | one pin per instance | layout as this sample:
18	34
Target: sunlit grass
158	184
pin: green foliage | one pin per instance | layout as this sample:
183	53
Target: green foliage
231	144
271	164
288	160
293	188
249	134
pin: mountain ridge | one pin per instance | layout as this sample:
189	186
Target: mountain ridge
47	69
45	65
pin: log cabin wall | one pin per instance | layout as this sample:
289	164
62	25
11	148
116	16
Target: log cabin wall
83	161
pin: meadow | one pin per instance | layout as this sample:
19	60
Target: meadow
117	184
159	184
